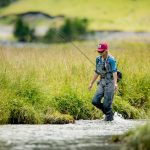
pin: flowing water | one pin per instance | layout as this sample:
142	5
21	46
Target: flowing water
84	134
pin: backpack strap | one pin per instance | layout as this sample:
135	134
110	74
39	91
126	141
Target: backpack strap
106	61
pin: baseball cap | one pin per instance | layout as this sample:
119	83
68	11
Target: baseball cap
102	47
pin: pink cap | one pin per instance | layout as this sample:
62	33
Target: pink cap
102	47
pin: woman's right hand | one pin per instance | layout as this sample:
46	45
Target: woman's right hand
90	86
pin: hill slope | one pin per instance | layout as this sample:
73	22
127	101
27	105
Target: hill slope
129	15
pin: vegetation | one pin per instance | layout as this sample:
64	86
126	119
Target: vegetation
51	35
137	139
35	81
54	117
71	29
103	15
22	31
4	3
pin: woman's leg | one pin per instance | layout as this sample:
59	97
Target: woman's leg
96	100
108	98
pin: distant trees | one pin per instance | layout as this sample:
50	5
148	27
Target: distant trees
51	35
71	29
23	32
4	3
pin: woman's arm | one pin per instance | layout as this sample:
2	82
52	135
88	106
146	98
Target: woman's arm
115	80
114	71
93	80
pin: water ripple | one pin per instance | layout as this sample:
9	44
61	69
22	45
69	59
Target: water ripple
84	134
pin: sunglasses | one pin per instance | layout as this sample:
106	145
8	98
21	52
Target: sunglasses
101	52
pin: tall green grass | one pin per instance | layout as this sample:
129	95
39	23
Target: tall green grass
36	80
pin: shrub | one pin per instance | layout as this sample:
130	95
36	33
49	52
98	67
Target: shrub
4	3
70	30
67	30
23	32
137	92
80	25
4	106
135	139
54	117
71	104
125	109
142	89
26	87
73	28
140	138
51	35
22	113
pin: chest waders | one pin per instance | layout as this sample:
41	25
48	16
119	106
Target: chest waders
105	88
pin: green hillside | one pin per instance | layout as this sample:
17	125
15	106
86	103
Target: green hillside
126	15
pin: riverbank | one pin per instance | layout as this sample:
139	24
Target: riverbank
7	39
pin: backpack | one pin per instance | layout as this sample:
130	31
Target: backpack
119	74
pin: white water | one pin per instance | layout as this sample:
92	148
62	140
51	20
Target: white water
84	134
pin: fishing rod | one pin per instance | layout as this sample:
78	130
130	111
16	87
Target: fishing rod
77	48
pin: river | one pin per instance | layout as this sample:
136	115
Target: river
84	134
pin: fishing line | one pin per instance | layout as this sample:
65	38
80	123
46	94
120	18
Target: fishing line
77	48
